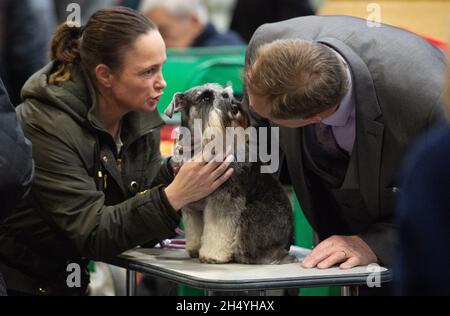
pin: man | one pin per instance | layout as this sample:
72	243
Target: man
184	23
349	100
16	164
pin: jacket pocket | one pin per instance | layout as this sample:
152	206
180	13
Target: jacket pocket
388	201
354	209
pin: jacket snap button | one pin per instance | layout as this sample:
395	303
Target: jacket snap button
134	186
105	159
395	190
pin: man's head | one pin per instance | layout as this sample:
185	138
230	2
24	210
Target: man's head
295	83
180	22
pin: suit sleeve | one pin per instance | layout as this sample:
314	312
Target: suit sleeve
67	197
16	164
382	239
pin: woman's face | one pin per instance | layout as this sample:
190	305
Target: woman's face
139	85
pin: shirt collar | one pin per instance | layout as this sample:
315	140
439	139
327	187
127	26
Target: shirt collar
346	109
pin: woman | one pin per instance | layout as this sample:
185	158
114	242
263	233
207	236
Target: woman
101	186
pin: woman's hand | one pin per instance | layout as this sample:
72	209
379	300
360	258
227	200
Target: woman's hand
197	179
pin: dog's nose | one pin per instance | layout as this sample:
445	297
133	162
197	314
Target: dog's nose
234	109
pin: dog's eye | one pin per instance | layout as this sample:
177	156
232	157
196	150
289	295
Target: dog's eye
205	97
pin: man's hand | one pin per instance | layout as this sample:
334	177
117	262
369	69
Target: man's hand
348	251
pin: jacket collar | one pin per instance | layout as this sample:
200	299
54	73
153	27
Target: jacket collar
364	89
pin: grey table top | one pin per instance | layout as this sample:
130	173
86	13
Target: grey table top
177	266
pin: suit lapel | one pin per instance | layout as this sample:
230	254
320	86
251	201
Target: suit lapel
369	126
291	144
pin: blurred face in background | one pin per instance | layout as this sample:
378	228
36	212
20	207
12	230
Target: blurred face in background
177	32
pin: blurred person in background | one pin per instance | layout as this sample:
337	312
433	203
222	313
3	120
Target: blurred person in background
16	164
185	23
248	15
132	4
26	27
423	216
87	7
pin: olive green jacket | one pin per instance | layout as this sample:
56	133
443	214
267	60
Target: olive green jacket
87	201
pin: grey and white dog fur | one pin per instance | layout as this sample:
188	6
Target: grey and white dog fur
249	219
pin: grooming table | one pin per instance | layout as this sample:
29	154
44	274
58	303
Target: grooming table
176	265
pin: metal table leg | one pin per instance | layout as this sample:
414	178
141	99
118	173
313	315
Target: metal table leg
350	290
209	292
131	283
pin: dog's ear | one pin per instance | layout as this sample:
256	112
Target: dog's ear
178	102
229	89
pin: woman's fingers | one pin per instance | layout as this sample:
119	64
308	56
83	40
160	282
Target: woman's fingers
223	166
215	161
198	158
222	179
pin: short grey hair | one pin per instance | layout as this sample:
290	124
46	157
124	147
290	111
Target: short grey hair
178	8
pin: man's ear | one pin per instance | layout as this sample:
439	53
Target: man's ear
178	102
316	119
103	75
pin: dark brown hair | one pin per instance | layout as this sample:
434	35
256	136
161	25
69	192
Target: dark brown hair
103	40
300	78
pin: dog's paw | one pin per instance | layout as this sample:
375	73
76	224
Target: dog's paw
193	253
213	260
193	248
214	257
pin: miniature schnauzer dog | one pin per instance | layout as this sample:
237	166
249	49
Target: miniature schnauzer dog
249	219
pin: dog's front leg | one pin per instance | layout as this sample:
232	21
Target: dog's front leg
219	233
193	224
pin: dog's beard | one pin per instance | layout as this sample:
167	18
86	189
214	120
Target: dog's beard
210	137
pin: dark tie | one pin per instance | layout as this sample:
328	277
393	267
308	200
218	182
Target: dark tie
327	141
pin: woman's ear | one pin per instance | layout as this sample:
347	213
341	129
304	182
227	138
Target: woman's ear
103	75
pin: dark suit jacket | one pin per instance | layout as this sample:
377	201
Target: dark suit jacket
398	83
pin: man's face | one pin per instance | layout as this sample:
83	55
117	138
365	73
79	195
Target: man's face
261	105
177	32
